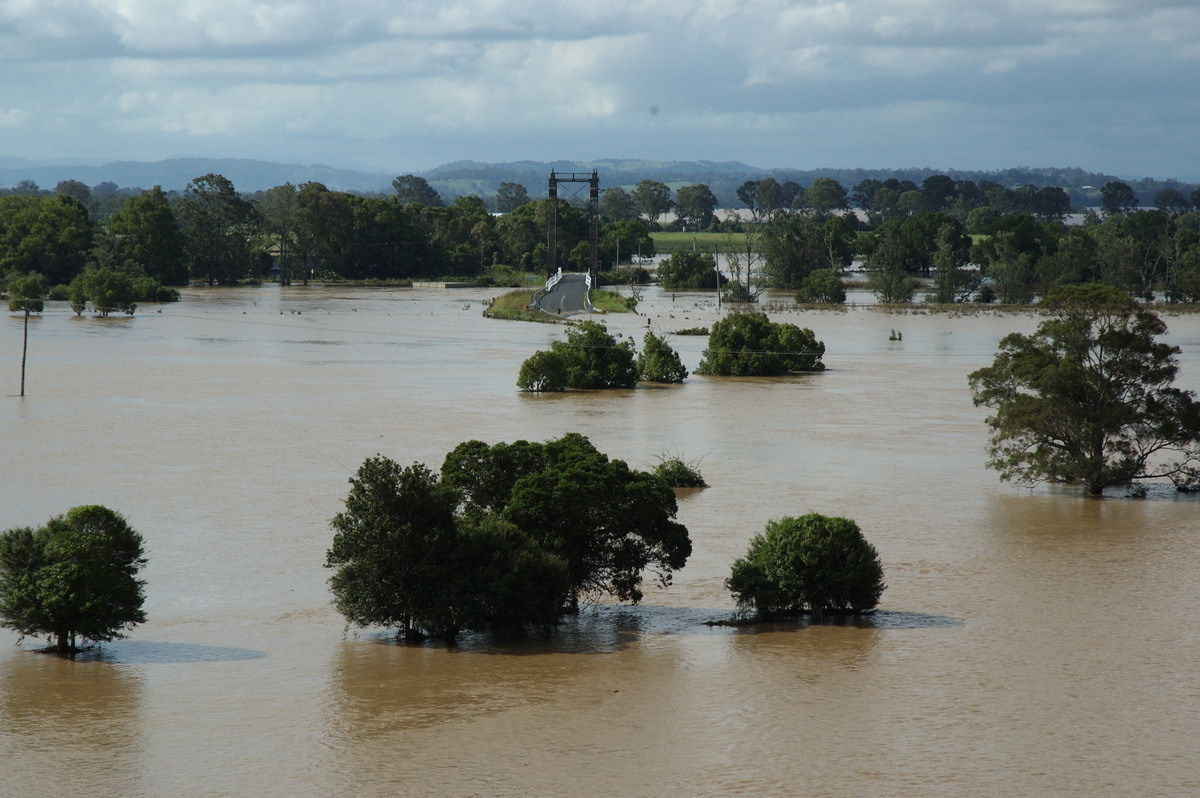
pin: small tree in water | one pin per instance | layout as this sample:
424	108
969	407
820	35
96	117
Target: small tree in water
747	344
813	563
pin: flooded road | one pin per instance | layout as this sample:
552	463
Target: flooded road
1030	643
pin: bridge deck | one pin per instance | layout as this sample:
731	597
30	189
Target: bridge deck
569	295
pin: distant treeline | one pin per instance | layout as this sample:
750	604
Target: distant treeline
484	179
212	233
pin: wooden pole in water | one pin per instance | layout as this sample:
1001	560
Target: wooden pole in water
24	346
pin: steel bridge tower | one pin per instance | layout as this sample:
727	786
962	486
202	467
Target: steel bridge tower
593	181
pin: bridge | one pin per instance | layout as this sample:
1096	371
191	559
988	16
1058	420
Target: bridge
565	294
570	293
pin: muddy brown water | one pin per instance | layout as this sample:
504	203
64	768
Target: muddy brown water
1029	643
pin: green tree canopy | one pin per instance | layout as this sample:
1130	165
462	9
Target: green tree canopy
695	205
652	199
1089	398
688	270
47	235
658	362
75	577
1117	198
813	563
405	559
616	205
822	286
510	196
108	291
215	221
148	233
608	522
590	357
747	344
416	190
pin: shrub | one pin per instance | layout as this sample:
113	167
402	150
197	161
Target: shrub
679	474
694	271
658	362
822	285
813	563
747	344
589	358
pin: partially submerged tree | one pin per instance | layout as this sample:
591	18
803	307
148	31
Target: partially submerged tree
405	559
658	362
813	563
75	577
510	535
747	344
607	521
590	357
1089	398
678	473
106	289
687	270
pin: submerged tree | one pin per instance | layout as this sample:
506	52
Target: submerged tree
658	362
813	563
509	535
75	577
747	344
590	357
1089	398
405	559
608	522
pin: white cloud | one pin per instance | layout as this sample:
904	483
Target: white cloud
737	77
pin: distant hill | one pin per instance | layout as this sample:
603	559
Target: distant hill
472	177
174	174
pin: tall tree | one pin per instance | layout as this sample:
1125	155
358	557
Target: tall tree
608	522
616	205
279	210
826	195
48	235
414	189
652	199
695	205
147	232
511	196
323	227
1117	198
405	559
216	223
1089	397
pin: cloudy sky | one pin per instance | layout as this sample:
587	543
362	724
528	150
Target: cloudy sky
405	85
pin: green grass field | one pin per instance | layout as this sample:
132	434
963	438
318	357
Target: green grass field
666	243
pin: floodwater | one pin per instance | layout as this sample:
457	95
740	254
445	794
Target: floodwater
1030	643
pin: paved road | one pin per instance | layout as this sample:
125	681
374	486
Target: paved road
569	295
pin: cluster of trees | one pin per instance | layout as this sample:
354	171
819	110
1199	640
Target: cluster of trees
512	535
967	241
591	357
743	343
213	234
508	535
73	578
